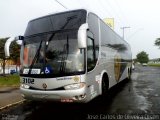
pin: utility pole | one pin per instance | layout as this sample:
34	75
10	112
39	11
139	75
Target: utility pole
61	4
123	28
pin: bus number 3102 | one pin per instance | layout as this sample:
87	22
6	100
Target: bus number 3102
28	80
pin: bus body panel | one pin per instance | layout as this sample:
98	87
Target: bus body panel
61	96
51	83
53	93
111	55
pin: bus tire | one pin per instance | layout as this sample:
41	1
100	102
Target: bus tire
105	84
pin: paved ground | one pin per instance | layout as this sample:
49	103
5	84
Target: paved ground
9	96
137	99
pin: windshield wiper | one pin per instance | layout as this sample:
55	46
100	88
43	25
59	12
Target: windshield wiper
35	57
68	20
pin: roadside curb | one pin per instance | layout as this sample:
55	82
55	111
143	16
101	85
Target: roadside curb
12	104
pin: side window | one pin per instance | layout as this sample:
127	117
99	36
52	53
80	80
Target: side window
91	58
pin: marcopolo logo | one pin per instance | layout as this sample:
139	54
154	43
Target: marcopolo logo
44	85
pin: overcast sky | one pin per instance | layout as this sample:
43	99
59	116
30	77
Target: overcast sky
142	16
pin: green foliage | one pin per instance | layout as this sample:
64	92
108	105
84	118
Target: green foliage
14	49
14	52
154	64
142	57
2	55
10	80
2	43
157	42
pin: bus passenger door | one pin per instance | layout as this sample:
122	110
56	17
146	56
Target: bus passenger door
91	63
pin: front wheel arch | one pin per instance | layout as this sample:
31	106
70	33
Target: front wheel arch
104	83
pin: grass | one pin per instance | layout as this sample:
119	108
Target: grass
154	64
10	80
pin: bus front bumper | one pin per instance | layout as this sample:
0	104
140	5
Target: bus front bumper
77	95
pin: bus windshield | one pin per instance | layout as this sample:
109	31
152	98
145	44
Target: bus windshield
50	46
52	54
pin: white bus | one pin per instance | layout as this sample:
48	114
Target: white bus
71	56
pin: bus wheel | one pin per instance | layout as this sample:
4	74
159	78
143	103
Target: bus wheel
105	85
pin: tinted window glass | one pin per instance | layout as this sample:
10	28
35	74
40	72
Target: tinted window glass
54	54
91	57
94	28
67	20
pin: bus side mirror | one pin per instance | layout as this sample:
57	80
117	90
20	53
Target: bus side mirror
82	36
19	39
8	42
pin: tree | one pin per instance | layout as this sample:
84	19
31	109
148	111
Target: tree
15	53
14	50
2	55
142	57
157	42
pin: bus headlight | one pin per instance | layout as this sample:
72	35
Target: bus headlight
25	86
74	86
